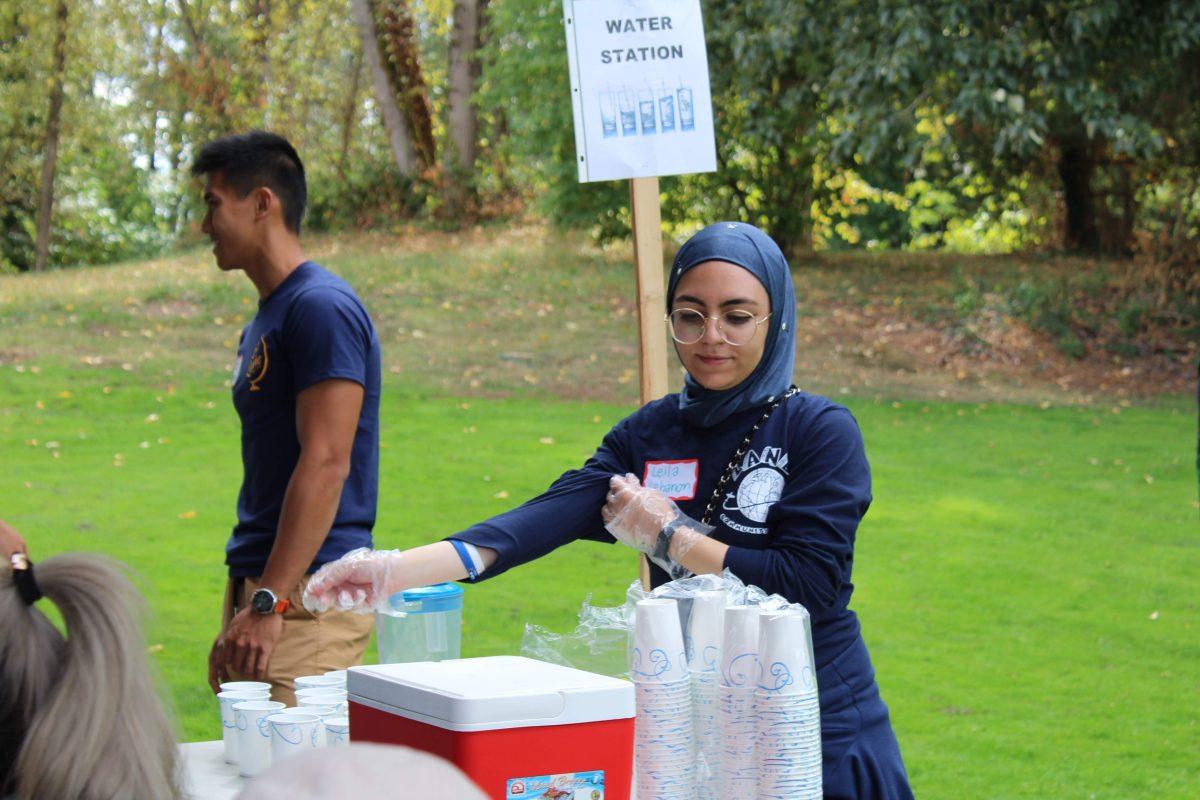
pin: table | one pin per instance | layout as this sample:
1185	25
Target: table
205	774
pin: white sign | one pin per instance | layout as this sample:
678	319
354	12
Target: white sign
639	86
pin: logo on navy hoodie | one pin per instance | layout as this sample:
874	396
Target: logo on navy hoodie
759	484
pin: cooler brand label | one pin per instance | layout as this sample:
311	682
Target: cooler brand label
676	479
565	786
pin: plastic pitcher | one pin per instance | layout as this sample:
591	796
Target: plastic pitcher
423	624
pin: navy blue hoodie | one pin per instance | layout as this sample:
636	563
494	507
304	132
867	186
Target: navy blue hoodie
789	514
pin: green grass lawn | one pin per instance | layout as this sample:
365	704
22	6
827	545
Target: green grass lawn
1026	576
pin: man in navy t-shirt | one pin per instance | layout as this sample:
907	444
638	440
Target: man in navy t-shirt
306	389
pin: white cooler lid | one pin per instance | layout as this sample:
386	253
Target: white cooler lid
475	694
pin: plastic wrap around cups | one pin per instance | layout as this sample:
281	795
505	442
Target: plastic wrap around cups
783	654
658	653
706	630
739	656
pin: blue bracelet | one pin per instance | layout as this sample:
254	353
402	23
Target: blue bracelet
468	562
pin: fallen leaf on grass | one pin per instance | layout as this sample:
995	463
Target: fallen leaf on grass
188	515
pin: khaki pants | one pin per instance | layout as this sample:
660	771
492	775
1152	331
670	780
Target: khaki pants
310	643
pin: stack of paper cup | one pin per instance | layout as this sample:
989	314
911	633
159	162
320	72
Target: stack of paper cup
739	668
226	699
704	636
788	715
664	741
254	735
293	733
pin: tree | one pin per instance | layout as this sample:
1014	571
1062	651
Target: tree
1092	94
462	117
768	61
50	150
393	119
396	33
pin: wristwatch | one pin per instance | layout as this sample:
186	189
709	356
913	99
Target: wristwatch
264	601
662	544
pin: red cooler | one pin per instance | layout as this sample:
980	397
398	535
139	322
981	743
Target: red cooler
518	727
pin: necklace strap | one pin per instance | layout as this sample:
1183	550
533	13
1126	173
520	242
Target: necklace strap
740	453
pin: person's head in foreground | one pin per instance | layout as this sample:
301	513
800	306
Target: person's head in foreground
255	193
80	717
363	772
732	314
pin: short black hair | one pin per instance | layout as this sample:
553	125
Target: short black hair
247	161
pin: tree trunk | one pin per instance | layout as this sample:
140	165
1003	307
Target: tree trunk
349	116
1076	166
50	151
462	77
398	43
393	120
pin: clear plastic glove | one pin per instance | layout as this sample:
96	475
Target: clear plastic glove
650	522
360	581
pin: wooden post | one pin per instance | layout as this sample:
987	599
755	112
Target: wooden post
651	300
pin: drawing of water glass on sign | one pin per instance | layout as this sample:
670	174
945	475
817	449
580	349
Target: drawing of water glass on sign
639	87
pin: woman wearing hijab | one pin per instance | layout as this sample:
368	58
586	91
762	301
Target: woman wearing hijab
739	471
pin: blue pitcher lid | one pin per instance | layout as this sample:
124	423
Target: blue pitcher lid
438	597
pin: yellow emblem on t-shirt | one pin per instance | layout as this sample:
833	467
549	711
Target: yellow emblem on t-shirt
256	367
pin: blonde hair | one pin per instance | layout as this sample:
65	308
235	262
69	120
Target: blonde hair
86	708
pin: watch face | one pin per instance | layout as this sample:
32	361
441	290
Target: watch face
262	601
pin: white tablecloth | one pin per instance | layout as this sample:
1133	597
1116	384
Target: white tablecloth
206	776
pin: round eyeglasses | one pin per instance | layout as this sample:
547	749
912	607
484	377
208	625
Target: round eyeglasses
736	327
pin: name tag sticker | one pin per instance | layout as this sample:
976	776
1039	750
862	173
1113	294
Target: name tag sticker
676	479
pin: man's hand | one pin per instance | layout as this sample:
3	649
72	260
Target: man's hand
249	642
216	664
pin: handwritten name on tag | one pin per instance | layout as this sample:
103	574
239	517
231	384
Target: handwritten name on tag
676	479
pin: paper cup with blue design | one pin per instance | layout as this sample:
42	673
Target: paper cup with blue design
322	712
226	700
312	691
783	661
337	731
739	653
337	702
254	735
293	733
705	631
658	653
246	686
320	681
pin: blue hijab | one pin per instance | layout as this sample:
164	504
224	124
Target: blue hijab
751	249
